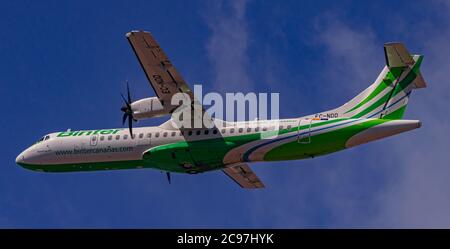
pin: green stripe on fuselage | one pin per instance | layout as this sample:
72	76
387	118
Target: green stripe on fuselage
92	166
399	87
387	81
320	144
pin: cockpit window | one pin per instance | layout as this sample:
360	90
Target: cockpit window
47	137
42	139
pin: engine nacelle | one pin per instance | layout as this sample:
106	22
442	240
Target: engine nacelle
149	108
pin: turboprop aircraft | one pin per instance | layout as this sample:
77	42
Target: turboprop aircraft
373	114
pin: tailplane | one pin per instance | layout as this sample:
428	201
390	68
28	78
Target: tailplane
388	96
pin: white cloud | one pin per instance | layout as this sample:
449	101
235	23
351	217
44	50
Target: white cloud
353	55
420	196
227	45
397	182
415	193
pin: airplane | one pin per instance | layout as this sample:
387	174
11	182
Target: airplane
375	113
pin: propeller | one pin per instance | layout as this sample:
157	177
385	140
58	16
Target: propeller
127	112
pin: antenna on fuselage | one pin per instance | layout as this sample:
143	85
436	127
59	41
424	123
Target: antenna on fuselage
168	176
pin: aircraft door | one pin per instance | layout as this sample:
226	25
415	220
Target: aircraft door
304	131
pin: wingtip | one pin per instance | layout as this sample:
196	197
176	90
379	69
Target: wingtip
136	31
393	43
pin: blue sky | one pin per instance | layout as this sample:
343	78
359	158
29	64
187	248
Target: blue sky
63	65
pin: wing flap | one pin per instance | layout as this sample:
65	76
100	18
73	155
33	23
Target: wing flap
243	175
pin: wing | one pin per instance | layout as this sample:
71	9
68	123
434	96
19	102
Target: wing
162	75
243	175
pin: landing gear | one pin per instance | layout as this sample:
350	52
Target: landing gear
186	165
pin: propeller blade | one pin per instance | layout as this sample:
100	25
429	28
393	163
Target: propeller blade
168	176
124	118
130	125
128	93
124	100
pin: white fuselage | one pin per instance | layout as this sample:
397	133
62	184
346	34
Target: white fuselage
72	147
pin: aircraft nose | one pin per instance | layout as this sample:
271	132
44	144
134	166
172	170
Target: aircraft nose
26	158
20	159
31	159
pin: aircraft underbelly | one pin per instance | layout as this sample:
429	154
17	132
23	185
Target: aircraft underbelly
190	157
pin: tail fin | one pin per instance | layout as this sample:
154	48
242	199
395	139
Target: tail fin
388	96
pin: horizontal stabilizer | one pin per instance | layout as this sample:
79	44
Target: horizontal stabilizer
383	130
420	81
397	55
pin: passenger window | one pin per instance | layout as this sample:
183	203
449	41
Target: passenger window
157	134
149	135
165	134
190	133
102	138
264	129
198	132
249	129
256	129
288	127
109	137
206	132
281	127
215	131
223	131
231	130
240	130
141	135
117	137
125	137
94	138
173	134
